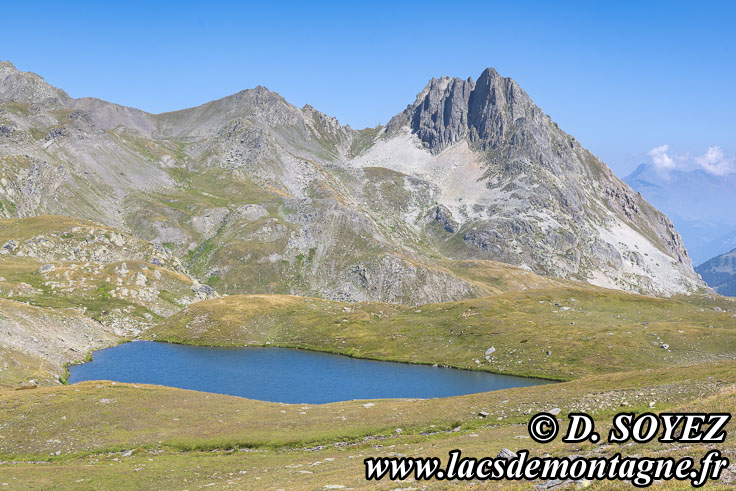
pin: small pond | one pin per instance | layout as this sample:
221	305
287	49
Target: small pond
283	375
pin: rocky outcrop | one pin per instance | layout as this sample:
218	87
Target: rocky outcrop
442	116
26	87
393	279
210	221
443	216
77	241
489	112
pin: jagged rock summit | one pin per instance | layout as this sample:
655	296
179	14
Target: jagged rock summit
255	195
524	192
449	110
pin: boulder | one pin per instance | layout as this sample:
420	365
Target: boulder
251	212
210	221
140	279
206	290
506	454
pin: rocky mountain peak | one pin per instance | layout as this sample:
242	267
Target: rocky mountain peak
496	107
531	194
451	109
26	87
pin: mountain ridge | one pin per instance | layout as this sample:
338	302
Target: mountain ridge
179	177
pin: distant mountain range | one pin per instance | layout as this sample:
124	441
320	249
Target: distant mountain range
720	273
701	205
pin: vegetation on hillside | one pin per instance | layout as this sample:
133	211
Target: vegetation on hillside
560	333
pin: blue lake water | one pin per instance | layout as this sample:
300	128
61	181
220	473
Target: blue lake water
283	375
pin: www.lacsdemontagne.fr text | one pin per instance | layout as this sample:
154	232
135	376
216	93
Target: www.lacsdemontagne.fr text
639	471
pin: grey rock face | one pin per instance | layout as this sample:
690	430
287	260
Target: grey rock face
442	117
251	212
26	87
444	217
450	109
205	292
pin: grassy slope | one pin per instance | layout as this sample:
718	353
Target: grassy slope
16	367
184	438
494	278
603	331
20	229
190	439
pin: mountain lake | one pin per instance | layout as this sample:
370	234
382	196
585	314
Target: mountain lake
283	375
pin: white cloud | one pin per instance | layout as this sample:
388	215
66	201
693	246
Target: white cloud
660	159
715	161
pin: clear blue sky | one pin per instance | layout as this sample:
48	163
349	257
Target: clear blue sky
623	77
